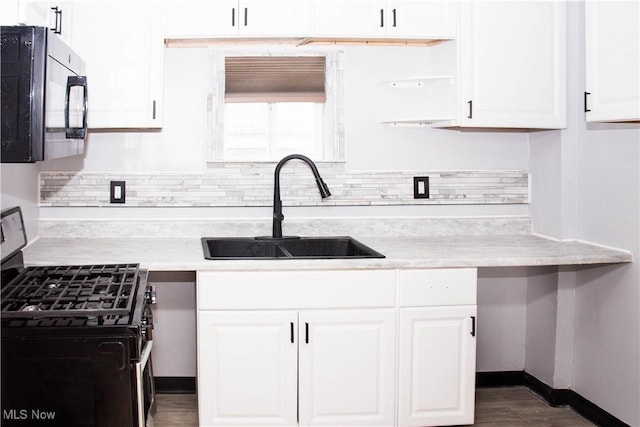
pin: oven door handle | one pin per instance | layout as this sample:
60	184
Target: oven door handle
140	367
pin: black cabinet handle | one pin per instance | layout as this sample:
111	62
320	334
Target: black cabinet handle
586	95
470	109
154	109
381	17
473	326
246	15
57	29
233	16
292	340
306	333
394	17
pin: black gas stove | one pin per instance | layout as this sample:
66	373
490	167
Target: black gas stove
76	340
92	294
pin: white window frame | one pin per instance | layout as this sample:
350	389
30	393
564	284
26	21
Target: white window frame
333	117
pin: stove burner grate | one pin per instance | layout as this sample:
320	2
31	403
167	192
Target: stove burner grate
71	291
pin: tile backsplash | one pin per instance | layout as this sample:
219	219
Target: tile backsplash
251	184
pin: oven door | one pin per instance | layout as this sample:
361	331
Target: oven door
73	379
145	389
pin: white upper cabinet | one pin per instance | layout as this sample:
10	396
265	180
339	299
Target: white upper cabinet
34	12
61	19
506	69
122	45
385	18
10	13
612	41
56	15
349	18
512	68
276	18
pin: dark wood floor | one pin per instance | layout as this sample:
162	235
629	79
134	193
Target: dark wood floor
500	406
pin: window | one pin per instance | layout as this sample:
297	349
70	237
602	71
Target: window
272	130
265	106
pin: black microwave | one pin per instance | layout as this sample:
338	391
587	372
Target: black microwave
43	96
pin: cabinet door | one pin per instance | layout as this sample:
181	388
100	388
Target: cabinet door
349	18
62	20
122	45
420	18
437	349
201	18
513	74
247	368
35	12
347	367
277	18
280	18
612	40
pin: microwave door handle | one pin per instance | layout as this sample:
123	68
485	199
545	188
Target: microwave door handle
76	133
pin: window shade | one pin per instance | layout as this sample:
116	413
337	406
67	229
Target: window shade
275	79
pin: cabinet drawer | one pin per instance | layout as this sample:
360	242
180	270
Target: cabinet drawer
297	289
437	287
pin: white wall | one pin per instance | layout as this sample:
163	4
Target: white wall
19	184
179	147
502	319
592	193
607	341
174	319
541	308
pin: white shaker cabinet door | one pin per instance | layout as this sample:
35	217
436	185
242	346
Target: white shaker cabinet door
201	18
122	45
612	41
380	18
347	367
233	18
349	18
420	18
513	64
436	366
33	12
247	368
281	18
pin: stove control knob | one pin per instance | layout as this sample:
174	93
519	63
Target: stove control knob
150	294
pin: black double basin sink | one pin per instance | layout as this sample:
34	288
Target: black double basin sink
230	248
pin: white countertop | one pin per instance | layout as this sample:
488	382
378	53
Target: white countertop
185	254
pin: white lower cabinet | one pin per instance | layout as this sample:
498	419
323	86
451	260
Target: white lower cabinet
436	366
336	348
347	367
258	368
247	368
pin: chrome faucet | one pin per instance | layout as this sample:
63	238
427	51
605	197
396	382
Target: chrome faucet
277	202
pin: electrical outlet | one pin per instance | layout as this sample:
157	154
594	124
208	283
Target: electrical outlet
118	192
420	187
